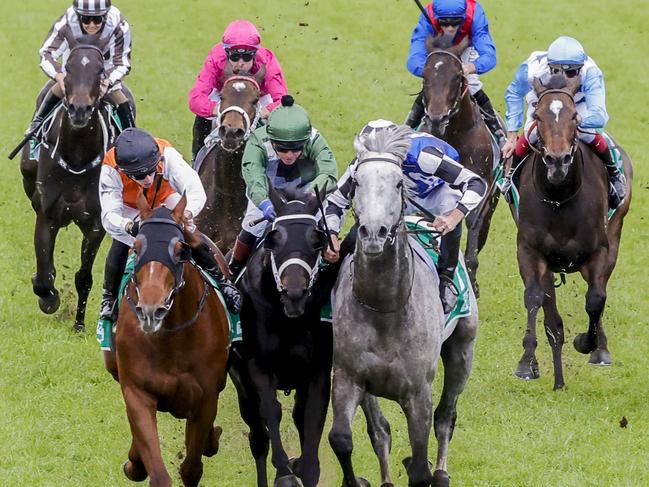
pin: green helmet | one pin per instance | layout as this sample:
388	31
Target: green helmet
289	123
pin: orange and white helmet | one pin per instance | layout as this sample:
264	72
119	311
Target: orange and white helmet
91	8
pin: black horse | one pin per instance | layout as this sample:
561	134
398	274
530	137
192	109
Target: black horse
285	344
62	183
563	226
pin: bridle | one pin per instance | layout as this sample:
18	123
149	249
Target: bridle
250	124
312	271
462	90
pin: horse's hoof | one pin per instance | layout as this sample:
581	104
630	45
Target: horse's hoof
441	479
600	357
387	484
527	371
363	482
49	304
583	344
287	481
212	447
79	327
134	472
294	464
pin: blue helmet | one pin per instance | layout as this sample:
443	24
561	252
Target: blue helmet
566	50
449	9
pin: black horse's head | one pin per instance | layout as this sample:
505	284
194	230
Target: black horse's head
557	121
161	253
444	82
84	72
238	111
294	245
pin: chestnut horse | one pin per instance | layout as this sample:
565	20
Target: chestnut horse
452	115
564	226
172	347
219	166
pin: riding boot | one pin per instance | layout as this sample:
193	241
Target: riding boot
616	180
202	128
240	253
125	115
416	112
490	118
113	272
448	258
203	256
50	101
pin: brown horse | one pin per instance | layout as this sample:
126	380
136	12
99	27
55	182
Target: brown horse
452	115
220	168
172	347
563	227
62	183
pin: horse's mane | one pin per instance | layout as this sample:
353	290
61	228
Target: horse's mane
396	142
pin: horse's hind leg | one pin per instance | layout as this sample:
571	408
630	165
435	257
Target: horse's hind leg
457	356
418	411
378	430
595	341
197	431
345	400
92	238
553	328
45	234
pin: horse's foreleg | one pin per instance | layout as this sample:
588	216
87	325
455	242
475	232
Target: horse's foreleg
457	356
595	341
346	398
45	233
418	411
141	412
92	238
473	225
531	267
197	430
553	328
134	467
378	430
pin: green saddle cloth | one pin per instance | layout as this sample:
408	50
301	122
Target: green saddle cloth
104	327
428	243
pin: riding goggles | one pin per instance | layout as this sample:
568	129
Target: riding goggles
288	146
450	21
569	70
245	56
92	19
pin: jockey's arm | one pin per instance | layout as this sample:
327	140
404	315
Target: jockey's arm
319	151
274	83
183	179
111	199
593	86
253	170
418	53
482	42
199	102
515	99
433	161
53	48
121	53
339	201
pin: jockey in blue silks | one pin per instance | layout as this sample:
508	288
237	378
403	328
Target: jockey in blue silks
461	18
438	185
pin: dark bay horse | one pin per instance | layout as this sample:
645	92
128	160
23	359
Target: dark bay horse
220	169
563	227
452	115
285	344
389	327
62	183
172	347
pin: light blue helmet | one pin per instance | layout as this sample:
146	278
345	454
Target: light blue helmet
566	50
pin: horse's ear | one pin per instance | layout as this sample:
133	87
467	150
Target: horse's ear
538	86
276	198
573	84
143	206
430	43
260	75
69	36
178	212
458	49
228	71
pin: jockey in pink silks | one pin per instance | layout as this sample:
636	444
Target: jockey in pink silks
241	47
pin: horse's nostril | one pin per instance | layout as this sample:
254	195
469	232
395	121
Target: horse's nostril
362	231
160	313
222	132
239	133
383	232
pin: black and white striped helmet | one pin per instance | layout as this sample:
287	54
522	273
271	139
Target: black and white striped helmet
94	8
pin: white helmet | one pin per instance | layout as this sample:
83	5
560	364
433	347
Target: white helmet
566	50
91	8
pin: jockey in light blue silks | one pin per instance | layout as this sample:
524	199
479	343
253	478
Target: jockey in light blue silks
439	185
459	18
564	56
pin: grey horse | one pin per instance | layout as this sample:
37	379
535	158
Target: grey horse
389	326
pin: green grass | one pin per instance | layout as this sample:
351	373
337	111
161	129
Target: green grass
62	420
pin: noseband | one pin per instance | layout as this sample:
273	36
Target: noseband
455	107
250	125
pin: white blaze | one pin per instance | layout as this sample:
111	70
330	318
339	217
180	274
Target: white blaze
239	86
84	61
438	64
555	107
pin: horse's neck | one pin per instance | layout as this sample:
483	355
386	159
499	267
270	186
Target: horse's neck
383	282
78	147
466	118
226	172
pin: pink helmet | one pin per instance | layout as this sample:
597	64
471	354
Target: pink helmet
241	34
